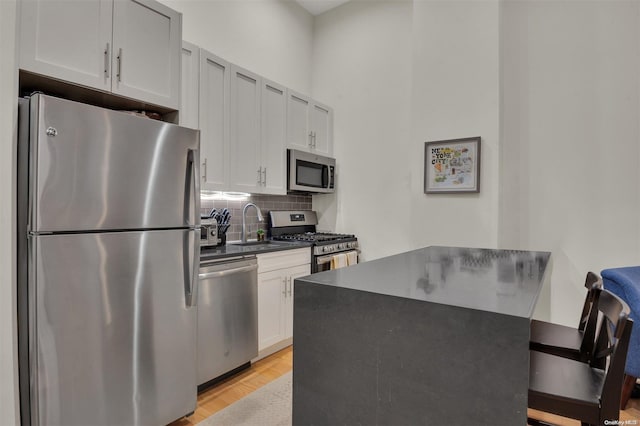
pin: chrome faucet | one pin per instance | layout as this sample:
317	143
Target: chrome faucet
243	238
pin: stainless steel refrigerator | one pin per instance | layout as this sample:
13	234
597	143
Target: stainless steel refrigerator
108	218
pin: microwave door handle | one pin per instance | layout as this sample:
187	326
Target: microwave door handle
326	176
330	176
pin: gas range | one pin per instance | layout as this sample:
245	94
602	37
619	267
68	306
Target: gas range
323	242
300	226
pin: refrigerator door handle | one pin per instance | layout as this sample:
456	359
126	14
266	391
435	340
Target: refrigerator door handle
190	199
191	270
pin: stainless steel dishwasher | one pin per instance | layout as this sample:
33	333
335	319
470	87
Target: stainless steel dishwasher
227	316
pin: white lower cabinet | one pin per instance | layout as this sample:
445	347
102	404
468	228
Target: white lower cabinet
276	274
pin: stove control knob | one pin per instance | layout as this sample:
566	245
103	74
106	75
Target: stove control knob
342	246
325	249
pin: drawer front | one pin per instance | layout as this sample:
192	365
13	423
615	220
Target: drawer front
283	259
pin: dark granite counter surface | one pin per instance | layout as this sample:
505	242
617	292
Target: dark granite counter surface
232	249
501	281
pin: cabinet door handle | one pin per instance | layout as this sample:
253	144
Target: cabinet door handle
204	170
284	292
119	59
264	177
106	61
311	139
314	139
290	286
260	176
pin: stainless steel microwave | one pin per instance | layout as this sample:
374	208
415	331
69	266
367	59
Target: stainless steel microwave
309	172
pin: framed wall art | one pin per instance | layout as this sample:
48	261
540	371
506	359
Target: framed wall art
452	166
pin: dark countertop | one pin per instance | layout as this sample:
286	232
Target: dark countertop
501	281
232	250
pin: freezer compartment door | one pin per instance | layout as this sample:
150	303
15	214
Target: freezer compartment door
114	336
98	169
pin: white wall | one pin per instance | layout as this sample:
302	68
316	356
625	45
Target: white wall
455	94
8	126
270	37
400	73
571	139
362	68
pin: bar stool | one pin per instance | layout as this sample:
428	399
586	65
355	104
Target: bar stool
580	390
569	342
625	283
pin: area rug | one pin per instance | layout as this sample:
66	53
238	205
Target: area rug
268	406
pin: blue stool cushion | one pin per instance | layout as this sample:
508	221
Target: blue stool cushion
625	283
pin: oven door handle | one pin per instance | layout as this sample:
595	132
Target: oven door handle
321	260
324	259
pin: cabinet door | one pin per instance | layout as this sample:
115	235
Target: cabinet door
298	126
293	273
271	308
214	119
189	90
245	173
147	37
274	134
322	128
69	40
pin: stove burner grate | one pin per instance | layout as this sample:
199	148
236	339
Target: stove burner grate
313	237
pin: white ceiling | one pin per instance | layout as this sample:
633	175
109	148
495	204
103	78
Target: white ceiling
316	7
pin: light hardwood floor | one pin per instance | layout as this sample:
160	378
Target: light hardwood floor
264	371
240	385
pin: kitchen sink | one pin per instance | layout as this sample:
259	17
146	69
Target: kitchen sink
256	243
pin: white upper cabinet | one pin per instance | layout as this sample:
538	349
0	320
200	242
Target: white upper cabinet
298	126
215	79
128	47
257	151
322	127
274	136
147	37
190	89
246	123
309	124
244	146
67	40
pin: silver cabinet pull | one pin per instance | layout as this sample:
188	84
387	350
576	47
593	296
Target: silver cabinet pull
106	61
284	292
204	170
311	139
260	176
119	59
290	286
314	139
264	177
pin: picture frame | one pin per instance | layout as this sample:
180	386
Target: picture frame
452	166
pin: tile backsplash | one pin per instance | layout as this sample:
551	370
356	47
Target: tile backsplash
266	204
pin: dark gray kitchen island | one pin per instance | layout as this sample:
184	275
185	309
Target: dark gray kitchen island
435	336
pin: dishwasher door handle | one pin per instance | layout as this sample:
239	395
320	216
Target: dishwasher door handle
226	272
